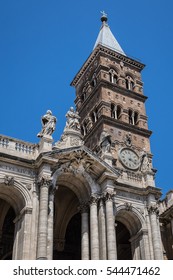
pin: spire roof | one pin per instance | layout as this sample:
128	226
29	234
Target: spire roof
106	38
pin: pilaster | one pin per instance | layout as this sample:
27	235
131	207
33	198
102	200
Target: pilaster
84	209
153	214
44	185
94	234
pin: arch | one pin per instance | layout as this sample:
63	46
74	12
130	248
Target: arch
78	180
114	68
116	111
132	219
18	197
113	75
130	81
15	194
133	116
131	230
94	80
94	115
7	228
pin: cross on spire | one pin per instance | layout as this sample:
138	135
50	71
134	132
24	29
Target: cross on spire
103	13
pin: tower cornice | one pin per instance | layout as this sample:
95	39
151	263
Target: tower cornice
117	124
105	51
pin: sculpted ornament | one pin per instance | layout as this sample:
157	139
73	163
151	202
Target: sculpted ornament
109	195
84	207
45	181
128	206
105	142
8	180
128	139
145	164
94	199
153	209
72	120
48	124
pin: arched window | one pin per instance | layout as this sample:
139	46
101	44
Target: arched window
113	76
129	83
115	111
84	128
136	118
133	117
94	80
94	115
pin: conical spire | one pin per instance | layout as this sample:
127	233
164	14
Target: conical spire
106	38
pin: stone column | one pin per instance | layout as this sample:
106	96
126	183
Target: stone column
50	223
84	231
94	235
43	219
146	245
149	237
102	231
153	213
110	227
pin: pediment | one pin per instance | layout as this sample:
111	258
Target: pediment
81	157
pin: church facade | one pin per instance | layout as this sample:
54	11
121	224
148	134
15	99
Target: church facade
91	195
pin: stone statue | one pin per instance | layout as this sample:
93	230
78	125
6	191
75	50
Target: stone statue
145	164
72	120
128	139
48	124
105	142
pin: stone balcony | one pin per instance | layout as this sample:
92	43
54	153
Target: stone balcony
18	148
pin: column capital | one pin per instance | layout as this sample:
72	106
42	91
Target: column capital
153	209
108	195
94	198
84	207
45	181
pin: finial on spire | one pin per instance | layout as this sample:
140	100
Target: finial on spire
104	17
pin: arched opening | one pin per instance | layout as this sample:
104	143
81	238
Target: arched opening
115	111
113	77
94	115
123	244
67	225
72	246
6	230
128	233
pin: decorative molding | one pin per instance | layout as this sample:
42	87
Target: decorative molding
153	209
16	169
109	195
94	199
128	206
8	180
44	181
84	207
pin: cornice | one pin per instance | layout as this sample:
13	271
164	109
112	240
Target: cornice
113	87
106	51
117	124
138	190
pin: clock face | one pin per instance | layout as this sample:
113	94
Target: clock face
129	158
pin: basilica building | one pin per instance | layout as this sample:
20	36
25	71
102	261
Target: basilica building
90	195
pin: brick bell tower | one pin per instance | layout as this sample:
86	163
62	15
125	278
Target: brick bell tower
111	105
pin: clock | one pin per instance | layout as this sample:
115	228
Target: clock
129	158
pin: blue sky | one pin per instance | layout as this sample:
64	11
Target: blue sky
43	43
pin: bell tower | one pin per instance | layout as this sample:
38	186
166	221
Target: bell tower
111	103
